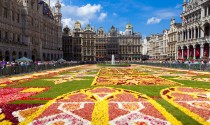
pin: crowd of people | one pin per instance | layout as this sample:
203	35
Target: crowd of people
4	64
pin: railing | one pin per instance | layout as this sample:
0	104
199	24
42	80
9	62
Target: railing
203	67
11	70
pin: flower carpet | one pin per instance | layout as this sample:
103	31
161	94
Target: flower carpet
194	102
73	74
98	106
23	78
128	76
79	96
193	78
11	94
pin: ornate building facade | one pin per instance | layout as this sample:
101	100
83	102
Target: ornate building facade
112	44
101	42
173	39
194	35
163	46
67	44
130	45
94	45
30	28
88	44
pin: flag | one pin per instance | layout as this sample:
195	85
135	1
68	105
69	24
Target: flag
41	2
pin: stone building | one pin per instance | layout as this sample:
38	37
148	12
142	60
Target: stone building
112	44
68	49
30	28
89	45
157	46
173	39
194	35
130	45
152	46
101	42
164	46
77	42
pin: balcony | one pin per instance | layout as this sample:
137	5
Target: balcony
205	39
207	18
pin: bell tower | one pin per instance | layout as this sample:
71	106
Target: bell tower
27	3
58	14
48	2
184	6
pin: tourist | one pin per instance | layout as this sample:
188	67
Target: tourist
3	64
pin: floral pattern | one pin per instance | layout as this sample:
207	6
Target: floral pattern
23	78
76	74
96	106
119	76
11	94
194	102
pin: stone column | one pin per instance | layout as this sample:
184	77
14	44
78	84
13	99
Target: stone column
177	52
182	52
207	12
202	11
201	50
188	52
202	33
182	36
194	33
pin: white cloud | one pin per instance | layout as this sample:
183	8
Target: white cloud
153	20
102	16
52	2
70	22
84	14
167	13
178	6
114	14
86	11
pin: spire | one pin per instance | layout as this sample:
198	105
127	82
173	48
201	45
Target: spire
185	1
58	4
48	2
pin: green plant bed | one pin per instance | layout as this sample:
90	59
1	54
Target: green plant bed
29	102
181	116
147	90
64	88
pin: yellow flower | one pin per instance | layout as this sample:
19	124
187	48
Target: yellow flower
33	90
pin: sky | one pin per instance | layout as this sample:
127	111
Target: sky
147	16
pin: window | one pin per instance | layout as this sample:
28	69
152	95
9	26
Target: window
18	17
13	37
13	16
6	35
5	13
18	38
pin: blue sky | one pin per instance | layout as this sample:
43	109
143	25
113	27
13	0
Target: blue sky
147	16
